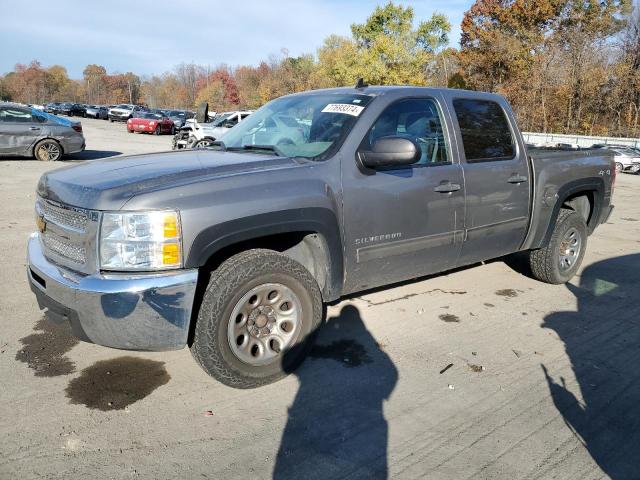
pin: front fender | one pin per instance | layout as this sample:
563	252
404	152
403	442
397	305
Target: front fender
318	220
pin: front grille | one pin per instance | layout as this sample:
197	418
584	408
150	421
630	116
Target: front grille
66	217
68	250
69	235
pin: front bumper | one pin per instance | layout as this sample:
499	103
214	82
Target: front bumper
132	312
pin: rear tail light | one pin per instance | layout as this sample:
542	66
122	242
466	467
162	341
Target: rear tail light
77	128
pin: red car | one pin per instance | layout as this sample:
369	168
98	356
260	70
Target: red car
150	122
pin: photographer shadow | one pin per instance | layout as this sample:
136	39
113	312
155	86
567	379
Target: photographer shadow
602	341
336	425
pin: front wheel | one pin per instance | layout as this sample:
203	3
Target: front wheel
258	317
559	261
618	167
158	130
204	143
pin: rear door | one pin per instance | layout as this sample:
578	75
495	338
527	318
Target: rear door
496	176
19	130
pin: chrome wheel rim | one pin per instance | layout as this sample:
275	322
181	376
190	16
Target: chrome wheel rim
264	323
570	248
203	144
48	151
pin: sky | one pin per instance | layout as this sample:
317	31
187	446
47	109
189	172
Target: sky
151	37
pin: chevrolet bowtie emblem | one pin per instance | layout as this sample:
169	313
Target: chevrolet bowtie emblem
41	223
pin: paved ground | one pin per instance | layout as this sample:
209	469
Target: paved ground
480	373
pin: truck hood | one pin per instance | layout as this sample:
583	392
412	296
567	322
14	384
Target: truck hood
108	184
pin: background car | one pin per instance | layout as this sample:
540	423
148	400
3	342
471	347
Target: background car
53	108
26	131
123	112
151	122
178	117
97	111
626	158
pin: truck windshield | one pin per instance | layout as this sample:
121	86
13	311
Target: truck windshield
310	126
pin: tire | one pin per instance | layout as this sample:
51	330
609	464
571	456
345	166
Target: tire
559	261
158	130
129	130
173	129
204	143
47	150
228	314
111	120
619	167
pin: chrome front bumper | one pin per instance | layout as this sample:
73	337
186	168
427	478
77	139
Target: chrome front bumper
131	312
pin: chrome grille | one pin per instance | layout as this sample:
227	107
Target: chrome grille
68	235
66	217
68	250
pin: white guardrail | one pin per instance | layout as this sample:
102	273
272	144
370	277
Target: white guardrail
552	139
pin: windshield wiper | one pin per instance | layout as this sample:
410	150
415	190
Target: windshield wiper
269	148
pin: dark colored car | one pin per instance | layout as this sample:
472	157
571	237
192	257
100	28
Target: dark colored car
53	108
232	250
179	117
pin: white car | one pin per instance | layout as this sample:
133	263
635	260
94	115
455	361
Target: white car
201	135
123	112
627	159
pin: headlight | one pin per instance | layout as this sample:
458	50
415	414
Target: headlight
140	241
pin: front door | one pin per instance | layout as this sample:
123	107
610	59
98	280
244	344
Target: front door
19	130
404	222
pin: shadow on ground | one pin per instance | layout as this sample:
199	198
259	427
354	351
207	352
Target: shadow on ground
336	426
92	155
45	350
117	383
602	340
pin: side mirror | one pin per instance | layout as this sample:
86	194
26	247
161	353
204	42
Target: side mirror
392	151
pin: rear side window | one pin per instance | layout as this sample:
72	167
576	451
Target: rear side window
485	131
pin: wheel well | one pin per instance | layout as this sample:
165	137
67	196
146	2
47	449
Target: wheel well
583	203
307	248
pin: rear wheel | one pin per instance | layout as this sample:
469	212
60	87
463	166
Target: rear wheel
618	167
559	261
47	151
258	318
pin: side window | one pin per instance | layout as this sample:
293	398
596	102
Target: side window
485	131
419	119
15	115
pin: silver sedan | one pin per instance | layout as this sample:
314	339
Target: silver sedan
28	132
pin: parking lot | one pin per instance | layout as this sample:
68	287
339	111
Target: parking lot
479	373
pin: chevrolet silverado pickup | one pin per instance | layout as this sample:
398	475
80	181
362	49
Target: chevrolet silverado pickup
232	250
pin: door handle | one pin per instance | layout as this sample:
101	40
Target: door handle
34	128
447	187
516	178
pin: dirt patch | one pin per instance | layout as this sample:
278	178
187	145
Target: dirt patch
347	352
476	368
629	219
449	318
507	292
490	305
45	351
116	384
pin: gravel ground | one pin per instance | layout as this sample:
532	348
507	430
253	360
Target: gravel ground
478	373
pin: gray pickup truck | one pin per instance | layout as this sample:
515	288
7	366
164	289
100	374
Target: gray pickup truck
233	250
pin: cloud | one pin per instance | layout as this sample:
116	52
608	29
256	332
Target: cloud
151	37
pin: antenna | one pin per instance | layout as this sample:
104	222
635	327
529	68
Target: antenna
360	83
